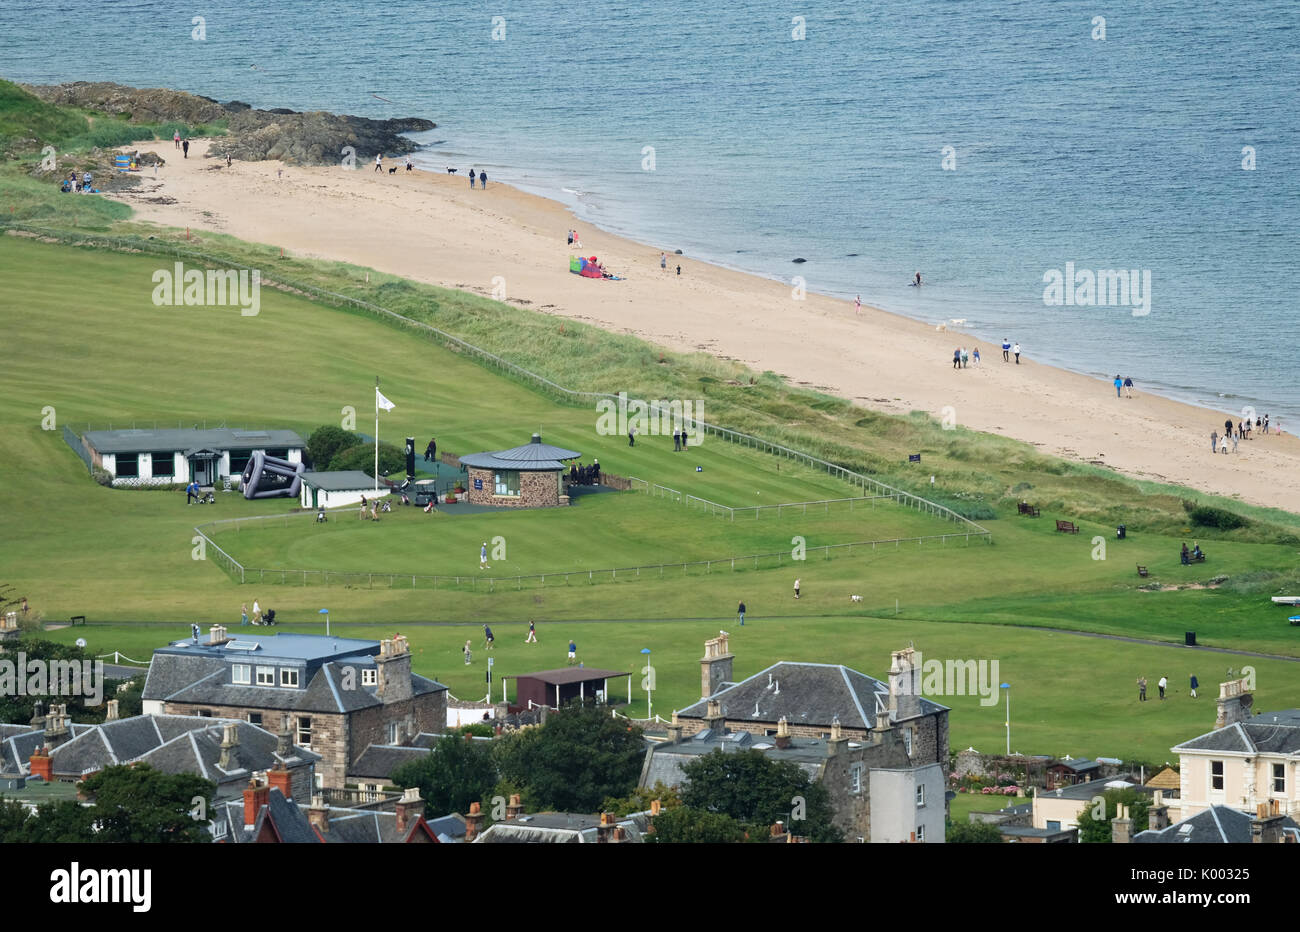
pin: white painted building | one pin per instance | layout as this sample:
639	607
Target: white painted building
179	456
337	489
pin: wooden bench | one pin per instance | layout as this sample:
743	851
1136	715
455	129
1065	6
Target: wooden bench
1142	571
1067	527
1027	509
1196	557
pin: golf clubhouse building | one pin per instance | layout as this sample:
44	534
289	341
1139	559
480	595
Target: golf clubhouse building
179	456
530	476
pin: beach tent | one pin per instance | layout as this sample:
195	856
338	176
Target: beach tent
123	163
586	267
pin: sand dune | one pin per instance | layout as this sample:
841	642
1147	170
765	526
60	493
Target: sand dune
433	228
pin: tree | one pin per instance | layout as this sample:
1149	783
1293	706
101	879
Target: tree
18	709
669	798
326	442
62	822
757	792
580	757
391	459
973	833
1094	830
684	825
137	804
457	772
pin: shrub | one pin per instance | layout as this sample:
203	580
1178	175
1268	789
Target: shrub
326	442
102	476
1209	516
362	457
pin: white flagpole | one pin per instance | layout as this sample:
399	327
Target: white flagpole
376	435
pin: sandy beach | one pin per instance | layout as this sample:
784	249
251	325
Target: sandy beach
432	228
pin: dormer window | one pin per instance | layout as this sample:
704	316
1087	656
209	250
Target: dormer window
266	676
241	674
289	677
369	676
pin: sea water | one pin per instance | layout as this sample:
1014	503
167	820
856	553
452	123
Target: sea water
983	144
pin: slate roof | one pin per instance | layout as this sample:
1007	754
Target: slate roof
149	441
199	751
1217	825
340	480
809	694
533	455
665	761
557	828
448	828
1077	764
378	761
1270	733
1090	788
16	752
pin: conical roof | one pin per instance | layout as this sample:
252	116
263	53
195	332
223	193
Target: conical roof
533	455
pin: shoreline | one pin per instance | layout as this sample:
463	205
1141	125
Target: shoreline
429	227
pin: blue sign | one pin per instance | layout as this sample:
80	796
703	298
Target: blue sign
914	457
478	485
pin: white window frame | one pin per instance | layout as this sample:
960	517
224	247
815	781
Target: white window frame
920	833
265	676
304	735
920	796
855	779
907	741
289	677
246	669
369	676
1274	778
1221	777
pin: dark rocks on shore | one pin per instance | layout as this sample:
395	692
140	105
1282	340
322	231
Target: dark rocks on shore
313	138
799	260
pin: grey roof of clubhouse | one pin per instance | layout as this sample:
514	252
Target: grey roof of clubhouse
340	480
808	694
220	438
533	455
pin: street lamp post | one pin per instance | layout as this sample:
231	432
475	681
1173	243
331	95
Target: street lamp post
326	613
648	683
1007	687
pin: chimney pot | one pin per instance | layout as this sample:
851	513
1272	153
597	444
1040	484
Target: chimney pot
110	714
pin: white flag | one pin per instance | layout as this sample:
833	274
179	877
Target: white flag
382	402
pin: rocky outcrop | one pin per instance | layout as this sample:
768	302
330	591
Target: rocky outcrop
313	138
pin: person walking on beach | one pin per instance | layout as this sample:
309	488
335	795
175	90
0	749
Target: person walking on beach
532	633
472	177
1006	350
1234	442
1164	681
1227	425
482	180
1119	384
482	557
741	611
1266	423
1214	441
1017	352
976	357
796	588
1142	689
176	139
857	304
1128	386
663	262
956	359
679	271
1194	685
1223	444
379	162
185	148
965	358
917	280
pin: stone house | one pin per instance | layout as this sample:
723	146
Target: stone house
341	694
1245	762
528	476
264	815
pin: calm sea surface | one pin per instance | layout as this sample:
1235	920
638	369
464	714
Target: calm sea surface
1122	153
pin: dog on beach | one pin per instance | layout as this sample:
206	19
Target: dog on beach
855	598
942	328
957	321
452	171
393	170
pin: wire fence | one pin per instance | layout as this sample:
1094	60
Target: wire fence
72	440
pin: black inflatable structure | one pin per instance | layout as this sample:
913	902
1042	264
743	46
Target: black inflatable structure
271	477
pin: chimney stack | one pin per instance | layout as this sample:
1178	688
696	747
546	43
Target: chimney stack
656	806
394	670
38	720
1158	815
1233	703
284	740
713	719
229	759
606	827
514	808
716	665
1121	827
56	726
782	734
674	730
409	808
1266	827
40	765
318	814
473	822
883	723
837	740
904	684
281	778
255	797
110	713
217	634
